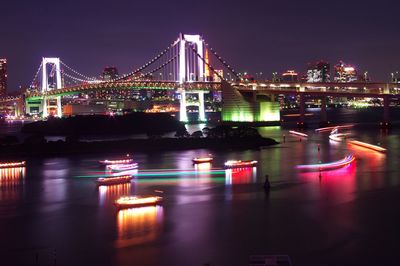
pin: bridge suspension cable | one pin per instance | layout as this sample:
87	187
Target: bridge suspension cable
149	63
36	75
205	62
222	60
87	78
161	66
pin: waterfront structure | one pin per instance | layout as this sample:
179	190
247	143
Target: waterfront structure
218	74
318	72
290	76
3	76
109	73
345	73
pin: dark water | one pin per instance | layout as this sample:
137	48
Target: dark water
52	212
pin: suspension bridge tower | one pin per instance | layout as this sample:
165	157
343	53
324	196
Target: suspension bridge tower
191	68
51	79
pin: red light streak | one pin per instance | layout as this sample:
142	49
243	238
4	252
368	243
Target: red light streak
367	145
327	166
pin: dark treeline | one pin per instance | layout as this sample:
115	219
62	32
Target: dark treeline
135	123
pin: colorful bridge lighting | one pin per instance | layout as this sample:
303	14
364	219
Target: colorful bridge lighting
298	133
327	166
367	145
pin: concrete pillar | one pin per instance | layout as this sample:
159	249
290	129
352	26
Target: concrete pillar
302	107
302	111
202	112
386	115
44	108
59	107
182	109
324	117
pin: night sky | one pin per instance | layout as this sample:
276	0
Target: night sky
252	36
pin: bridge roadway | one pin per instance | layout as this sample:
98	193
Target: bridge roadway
354	89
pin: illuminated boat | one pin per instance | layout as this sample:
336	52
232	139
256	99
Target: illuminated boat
119	161
12	164
137	201
367	145
203	160
122	167
338	137
114	180
327	166
238	164
298	133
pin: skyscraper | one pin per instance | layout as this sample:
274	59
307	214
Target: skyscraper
318	72
3	76
345	73
110	73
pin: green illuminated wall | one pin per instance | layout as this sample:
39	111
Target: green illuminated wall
236	108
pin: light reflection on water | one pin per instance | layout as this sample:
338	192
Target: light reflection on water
11	181
138	225
245	175
111	193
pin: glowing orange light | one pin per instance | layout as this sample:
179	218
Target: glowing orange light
367	145
114	180
12	164
322	129
298	133
135	201
203	160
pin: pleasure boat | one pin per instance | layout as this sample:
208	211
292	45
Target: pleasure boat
12	164
202	160
238	164
118	161
137	201
122	167
113	180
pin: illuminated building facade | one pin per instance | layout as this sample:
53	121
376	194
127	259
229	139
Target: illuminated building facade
290	76
109	73
217	78
3	76
345	73
318	72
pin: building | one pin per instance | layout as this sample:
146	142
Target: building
109	73
345	73
217	74
3	76
290	76
318	72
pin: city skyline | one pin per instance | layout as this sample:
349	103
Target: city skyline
83	38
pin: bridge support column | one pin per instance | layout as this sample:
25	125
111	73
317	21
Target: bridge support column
45	112
386	113
302	111
59	107
202	112
182	109
323	115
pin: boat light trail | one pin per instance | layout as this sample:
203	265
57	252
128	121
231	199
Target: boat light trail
298	133
323	129
327	166
367	145
339	137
